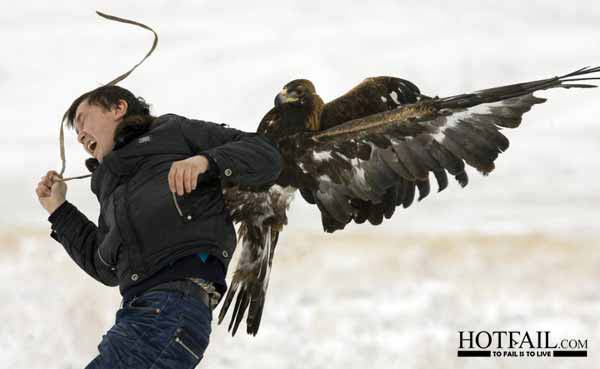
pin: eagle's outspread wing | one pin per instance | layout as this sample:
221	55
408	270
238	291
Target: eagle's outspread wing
261	216
371	96
379	161
363	154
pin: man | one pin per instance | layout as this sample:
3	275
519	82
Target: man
164	235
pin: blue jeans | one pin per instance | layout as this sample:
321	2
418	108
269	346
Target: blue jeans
156	330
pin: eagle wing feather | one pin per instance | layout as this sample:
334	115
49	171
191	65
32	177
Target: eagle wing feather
382	160
371	96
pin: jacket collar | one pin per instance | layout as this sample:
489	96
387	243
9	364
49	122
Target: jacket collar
126	131
132	128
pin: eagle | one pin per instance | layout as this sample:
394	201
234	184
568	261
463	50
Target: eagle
361	156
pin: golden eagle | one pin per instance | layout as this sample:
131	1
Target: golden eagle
363	154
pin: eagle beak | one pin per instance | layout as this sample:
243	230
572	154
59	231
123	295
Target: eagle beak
283	98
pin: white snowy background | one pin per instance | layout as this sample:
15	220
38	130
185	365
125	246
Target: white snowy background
516	250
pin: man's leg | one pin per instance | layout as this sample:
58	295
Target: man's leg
158	330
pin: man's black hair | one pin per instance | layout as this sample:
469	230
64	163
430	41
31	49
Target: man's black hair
107	97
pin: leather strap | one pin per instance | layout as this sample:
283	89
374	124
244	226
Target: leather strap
111	83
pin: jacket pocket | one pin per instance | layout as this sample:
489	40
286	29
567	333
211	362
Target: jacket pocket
204	202
110	262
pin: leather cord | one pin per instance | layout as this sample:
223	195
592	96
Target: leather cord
111	83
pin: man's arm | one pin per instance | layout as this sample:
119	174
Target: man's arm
241	158
80	237
72	229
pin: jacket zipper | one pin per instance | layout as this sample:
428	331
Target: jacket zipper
179	341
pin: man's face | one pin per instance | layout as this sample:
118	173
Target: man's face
95	127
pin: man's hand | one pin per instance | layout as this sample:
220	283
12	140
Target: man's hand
50	192
183	176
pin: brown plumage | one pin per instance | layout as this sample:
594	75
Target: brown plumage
373	95
365	153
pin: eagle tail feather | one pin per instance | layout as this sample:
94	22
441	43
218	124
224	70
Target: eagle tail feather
251	279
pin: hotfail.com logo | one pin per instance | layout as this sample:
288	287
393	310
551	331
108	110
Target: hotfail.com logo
518	344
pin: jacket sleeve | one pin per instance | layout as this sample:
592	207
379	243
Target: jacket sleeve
80	237
241	158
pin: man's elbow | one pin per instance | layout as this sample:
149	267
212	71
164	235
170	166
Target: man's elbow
111	282
277	162
107	278
274	162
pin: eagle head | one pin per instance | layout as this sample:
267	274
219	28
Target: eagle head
298	91
300	95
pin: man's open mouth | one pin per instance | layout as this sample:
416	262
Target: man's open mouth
91	146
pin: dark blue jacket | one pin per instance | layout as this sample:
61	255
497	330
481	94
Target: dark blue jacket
140	230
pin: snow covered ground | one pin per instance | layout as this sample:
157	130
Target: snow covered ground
518	249
349	301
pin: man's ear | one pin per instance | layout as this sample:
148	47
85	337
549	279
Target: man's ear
121	109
